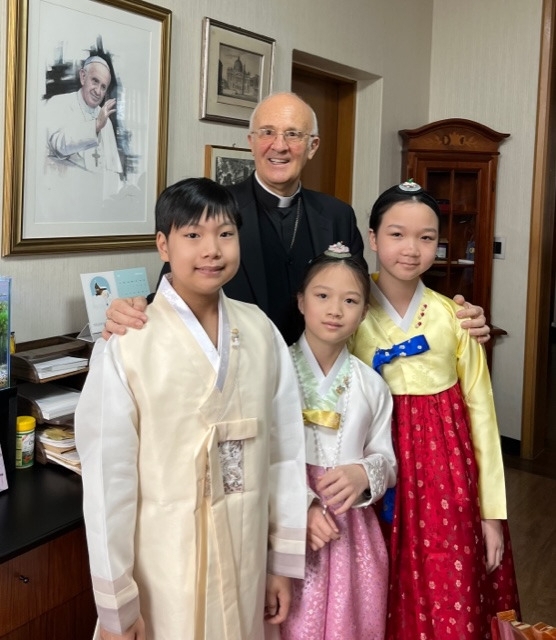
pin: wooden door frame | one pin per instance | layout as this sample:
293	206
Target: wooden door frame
535	370
347	89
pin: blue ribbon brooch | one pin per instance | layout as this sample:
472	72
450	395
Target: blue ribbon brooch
412	347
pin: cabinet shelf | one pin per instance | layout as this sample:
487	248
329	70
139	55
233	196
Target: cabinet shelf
25	363
456	161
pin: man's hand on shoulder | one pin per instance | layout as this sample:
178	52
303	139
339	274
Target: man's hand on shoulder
123	313
473	318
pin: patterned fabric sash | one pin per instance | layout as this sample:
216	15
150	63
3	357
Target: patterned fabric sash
412	347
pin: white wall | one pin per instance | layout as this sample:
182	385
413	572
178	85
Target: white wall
385	45
485	59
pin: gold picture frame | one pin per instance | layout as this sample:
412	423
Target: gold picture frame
228	165
56	203
236	72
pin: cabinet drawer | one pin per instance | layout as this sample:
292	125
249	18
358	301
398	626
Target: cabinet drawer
24	589
43	579
68	567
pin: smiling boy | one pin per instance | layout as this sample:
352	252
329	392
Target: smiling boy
189	433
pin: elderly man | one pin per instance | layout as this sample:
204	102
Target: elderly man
80	133
284	224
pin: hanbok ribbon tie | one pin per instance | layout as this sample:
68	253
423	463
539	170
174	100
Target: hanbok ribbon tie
330	419
412	347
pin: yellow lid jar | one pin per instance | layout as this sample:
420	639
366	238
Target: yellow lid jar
25	442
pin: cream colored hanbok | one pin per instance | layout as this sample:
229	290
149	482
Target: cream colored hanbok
193	472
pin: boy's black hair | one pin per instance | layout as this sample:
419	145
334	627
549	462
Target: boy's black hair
185	203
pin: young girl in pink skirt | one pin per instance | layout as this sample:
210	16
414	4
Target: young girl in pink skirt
350	461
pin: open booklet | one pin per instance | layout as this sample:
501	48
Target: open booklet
101	288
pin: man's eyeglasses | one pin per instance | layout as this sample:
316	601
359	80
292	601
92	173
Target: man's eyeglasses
291	136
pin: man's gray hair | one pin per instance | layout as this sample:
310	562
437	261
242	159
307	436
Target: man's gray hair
314	129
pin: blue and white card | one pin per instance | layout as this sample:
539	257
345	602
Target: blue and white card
103	287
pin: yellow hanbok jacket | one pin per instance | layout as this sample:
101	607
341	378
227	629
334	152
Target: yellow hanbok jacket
453	356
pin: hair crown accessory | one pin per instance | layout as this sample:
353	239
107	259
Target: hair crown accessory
338	250
410	186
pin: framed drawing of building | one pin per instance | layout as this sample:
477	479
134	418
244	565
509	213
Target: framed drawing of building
236	72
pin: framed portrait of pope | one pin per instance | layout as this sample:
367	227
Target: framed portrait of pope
84	164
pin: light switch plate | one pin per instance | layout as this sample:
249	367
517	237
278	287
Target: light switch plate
499	247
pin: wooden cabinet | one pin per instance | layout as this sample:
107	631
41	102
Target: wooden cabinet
45	584
456	161
46	592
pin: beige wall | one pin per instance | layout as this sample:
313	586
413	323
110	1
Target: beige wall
415	62
485	59
385	45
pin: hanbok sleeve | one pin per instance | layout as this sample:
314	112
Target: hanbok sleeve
379	460
107	443
288	491
476	388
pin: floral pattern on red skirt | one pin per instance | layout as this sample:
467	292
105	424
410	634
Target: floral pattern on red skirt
439	588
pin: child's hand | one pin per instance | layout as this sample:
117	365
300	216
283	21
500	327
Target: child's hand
135	632
321	528
278	598
494	543
342	486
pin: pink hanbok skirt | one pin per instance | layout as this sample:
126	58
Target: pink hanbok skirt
343	596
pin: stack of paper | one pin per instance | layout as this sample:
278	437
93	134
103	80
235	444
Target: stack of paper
57	439
53	401
60	366
68	459
57	444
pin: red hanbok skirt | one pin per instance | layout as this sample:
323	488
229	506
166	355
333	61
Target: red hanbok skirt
439	588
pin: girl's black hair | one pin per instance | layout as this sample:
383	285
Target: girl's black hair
358	266
185	203
405	192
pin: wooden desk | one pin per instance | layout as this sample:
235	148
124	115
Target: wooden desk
44	570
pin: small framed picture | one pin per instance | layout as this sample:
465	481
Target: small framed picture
228	165
442	250
236	72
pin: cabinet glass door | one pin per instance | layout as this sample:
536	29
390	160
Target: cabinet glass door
457	190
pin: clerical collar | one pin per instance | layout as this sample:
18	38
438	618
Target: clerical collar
92	111
283	201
